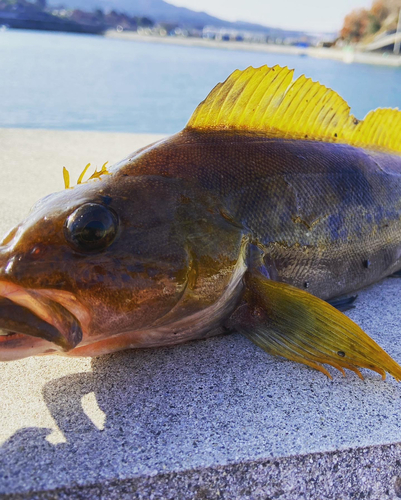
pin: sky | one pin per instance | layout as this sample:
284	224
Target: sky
308	15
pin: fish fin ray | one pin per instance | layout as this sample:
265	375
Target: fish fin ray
268	101
289	322
343	303
81	177
66	177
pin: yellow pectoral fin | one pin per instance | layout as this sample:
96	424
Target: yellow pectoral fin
292	323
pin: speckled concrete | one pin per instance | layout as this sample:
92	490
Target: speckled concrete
210	419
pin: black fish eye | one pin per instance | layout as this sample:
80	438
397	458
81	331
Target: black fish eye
91	227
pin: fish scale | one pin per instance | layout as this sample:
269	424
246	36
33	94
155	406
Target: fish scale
338	190
273	199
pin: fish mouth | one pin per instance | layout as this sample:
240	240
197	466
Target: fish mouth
38	321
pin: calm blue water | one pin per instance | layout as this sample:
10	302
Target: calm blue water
81	82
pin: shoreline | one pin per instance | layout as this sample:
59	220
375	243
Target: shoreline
346	56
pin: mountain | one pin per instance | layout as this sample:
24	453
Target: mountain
161	11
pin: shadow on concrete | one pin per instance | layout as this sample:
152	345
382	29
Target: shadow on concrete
164	408
201	404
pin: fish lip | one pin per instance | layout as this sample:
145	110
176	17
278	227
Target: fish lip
53	319
20	346
16	319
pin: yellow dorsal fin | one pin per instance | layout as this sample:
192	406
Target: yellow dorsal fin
268	100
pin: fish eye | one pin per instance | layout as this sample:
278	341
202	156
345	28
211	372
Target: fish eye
91	227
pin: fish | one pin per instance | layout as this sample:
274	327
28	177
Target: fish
271	205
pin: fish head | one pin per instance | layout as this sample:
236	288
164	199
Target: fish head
107	257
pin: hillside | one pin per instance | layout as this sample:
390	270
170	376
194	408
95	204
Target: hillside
161	11
363	25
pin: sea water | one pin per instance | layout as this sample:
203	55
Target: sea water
84	82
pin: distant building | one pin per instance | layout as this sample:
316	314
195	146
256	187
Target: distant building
229	34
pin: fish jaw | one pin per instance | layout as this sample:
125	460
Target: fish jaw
34	322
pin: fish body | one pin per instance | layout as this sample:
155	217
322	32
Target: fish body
247	219
328	216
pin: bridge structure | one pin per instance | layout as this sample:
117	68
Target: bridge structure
391	42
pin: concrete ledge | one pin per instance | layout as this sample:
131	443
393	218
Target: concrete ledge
357	473
210	419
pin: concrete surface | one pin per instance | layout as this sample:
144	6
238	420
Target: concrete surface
210	419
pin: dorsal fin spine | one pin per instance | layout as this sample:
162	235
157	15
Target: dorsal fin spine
254	83
306	96
218	102
230	93
319	97
267	100
238	87
283	76
296	98
321	112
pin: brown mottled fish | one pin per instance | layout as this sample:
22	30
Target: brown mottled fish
272	201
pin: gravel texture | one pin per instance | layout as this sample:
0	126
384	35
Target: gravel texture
210	419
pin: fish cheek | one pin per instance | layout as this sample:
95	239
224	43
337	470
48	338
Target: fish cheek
128	290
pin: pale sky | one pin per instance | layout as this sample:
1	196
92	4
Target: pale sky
310	15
